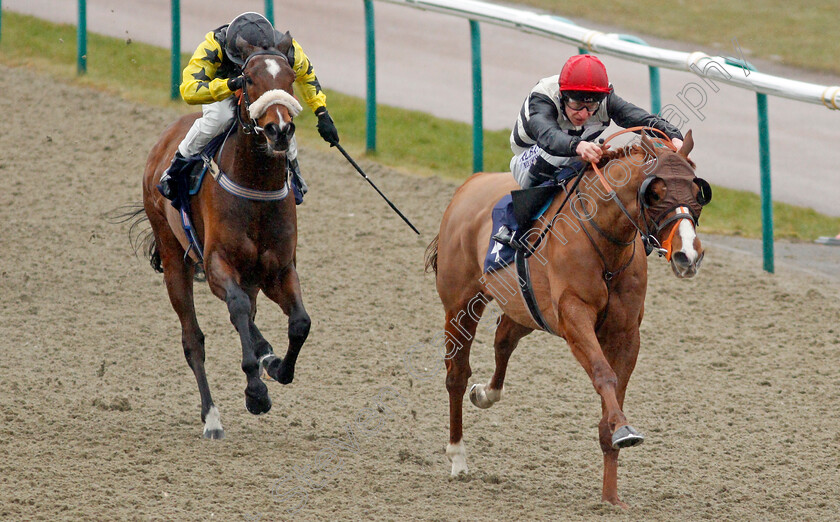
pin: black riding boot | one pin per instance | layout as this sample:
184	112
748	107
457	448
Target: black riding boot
526	203
168	186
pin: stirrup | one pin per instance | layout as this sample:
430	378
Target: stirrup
166	187
506	237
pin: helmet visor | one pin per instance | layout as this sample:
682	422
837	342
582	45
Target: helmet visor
579	105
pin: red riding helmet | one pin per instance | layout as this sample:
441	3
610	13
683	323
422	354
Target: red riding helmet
584	78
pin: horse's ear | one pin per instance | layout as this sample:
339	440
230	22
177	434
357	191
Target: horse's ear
244	48
688	144
648	146
284	42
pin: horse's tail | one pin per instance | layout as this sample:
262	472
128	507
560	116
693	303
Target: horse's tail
142	238
431	255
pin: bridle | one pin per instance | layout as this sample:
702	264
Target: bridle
244	102
649	232
648	237
248	127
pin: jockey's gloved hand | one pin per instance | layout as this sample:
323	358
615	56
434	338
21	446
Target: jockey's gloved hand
236	83
326	127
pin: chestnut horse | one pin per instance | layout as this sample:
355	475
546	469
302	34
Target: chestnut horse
588	277
246	222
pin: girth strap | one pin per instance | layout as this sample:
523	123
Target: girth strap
243	192
524	273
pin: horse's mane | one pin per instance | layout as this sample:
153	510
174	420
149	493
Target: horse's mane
628	150
623	152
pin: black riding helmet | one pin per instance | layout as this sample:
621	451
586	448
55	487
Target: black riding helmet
247	33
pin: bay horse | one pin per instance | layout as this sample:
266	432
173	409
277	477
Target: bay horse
588	277
247	226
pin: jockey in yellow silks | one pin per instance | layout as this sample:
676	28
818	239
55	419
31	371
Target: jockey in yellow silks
214	73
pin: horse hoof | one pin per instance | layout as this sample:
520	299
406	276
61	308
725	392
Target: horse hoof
477	397
626	437
265	363
257	406
457	455
213	424
483	398
284	374
214	434
257	402
276	368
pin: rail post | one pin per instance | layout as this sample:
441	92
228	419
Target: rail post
175	70
764	164
269	11
370	42
766	196
81	39
478	104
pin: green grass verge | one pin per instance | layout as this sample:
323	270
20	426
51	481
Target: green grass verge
407	140
801	34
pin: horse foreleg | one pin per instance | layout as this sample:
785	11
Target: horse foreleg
508	335
285	291
178	277
458	336
262	348
578	320
621	350
222	280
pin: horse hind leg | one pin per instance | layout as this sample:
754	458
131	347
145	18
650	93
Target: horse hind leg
458	336
508	335
285	291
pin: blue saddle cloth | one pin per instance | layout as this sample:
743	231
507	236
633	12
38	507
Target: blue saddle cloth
499	255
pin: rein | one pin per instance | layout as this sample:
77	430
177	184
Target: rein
649	239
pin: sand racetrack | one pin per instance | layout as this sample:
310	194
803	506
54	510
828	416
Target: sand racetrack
737	386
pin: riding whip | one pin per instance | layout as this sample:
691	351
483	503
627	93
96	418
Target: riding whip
358	168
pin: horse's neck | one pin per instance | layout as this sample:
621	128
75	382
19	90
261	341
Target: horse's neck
609	217
244	160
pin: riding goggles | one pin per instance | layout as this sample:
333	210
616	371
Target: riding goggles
577	105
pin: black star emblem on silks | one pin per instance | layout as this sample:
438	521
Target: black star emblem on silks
315	83
201	75
211	55
309	69
204	80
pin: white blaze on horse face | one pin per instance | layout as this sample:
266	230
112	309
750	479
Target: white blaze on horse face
280	121
272	67
457	455
687	235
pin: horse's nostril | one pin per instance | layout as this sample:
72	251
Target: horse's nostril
272	130
681	259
